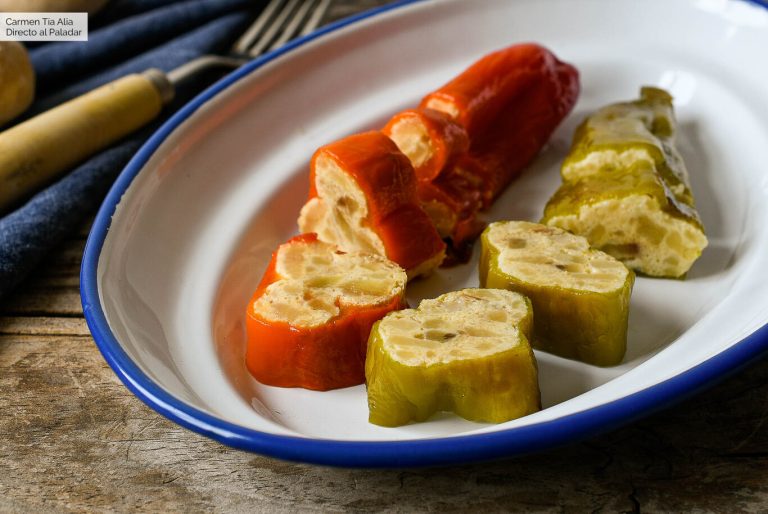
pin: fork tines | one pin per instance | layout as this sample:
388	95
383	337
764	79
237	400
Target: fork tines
278	23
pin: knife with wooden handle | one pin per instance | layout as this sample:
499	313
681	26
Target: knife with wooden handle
32	153
36	151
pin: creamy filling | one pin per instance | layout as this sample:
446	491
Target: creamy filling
317	282
466	324
550	257
412	138
635	230
338	214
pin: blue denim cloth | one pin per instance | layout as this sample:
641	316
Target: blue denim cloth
132	35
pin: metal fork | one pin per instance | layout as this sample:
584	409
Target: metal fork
34	152
279	22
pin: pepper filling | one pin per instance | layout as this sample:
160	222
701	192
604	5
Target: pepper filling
339	212
412	138
318	282
467	324
550	257
636	230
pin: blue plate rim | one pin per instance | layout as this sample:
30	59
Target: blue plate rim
372	454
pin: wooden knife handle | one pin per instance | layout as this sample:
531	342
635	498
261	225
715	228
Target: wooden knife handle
34	152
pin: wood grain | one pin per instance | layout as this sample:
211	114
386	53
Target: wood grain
75	439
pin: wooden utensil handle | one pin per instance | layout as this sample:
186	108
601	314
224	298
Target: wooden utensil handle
34	152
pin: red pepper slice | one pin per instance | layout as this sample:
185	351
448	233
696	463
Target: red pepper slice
477	96
430	139
506	107
509	102
363	196
434	142
309	320
521	131
498	159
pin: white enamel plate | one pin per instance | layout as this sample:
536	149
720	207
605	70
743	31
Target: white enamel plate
185	234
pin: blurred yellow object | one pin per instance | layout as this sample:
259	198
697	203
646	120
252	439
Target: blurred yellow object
17	80
89	6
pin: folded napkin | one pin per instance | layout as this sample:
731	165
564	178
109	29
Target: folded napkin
128	36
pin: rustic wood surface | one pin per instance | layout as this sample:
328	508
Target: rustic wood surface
75	439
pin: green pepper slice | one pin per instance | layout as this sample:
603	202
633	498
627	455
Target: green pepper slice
580	295
626	189
466	352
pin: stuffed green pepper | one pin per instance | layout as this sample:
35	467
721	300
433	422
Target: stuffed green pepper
467	352
580	295
626	189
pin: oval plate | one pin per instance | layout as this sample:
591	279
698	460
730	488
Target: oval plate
185	233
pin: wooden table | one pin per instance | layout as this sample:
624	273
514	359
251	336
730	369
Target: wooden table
74	438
